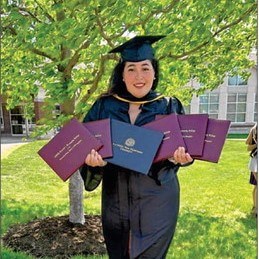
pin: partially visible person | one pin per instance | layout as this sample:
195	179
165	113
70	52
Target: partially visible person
251	142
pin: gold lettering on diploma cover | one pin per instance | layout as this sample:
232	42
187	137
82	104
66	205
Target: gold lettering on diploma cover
166	135
128	146
210	138
188	133
68	147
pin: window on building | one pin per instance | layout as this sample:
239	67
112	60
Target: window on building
236	80
57	108
17	120
209	103
20	125
236	107
57	111
1	118
256	108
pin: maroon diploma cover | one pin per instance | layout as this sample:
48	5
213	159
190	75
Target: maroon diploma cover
101	129
214	140
173	139
193	129
67	150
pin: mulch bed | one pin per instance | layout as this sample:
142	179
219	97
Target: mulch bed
57	237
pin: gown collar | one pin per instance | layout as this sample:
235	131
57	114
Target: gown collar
150	97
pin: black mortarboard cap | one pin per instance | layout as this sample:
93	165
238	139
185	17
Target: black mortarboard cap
137	49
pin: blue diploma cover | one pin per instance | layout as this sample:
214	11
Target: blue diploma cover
134	147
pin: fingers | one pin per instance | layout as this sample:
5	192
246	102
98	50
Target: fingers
180	156
94	159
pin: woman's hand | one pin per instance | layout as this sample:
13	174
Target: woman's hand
94	159
181	157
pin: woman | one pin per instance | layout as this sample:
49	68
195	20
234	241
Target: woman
251	142
139	212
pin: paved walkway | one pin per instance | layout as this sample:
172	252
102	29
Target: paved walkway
8	144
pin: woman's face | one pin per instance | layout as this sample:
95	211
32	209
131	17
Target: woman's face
138	77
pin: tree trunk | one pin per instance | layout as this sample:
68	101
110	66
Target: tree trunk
76	189
76	185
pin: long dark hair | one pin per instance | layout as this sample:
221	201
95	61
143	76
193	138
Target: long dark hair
117	85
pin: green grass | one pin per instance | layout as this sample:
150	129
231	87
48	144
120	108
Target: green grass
216	200
237	135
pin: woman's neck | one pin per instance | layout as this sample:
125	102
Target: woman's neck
134	111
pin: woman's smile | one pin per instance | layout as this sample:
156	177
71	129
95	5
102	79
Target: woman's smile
139	85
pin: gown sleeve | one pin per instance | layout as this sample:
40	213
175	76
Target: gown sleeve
174	106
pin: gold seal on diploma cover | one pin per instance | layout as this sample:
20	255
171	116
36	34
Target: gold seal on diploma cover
130	142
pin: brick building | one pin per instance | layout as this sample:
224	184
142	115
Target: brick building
13	121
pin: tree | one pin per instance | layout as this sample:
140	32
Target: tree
62	46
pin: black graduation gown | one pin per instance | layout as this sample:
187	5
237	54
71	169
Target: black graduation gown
139	212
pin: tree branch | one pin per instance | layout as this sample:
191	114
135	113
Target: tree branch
87	82
151	14
32	49
97	79
109	39
185	55
74	59
11	29
163	10
141	22
99	23
249	10
25	10
43	54
45	12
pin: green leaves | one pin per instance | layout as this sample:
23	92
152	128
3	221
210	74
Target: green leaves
62	47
